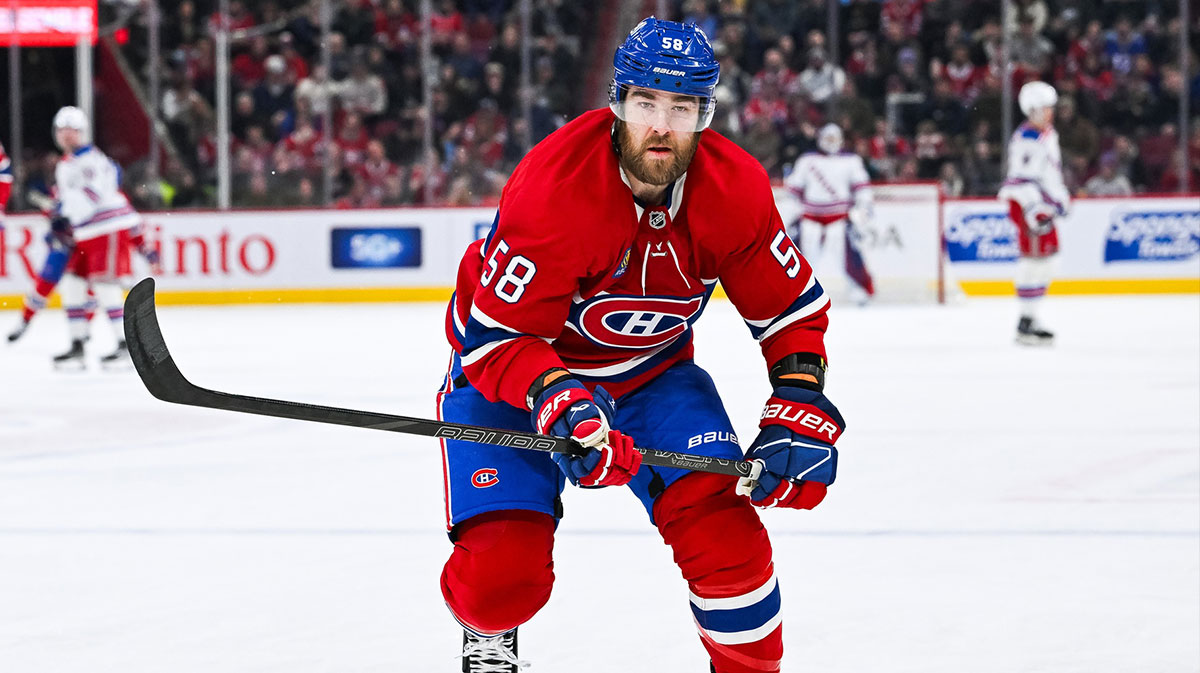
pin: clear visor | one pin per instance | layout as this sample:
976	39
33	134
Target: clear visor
660	109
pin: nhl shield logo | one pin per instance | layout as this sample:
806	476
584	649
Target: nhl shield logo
658	219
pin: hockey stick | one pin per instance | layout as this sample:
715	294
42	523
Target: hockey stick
163	379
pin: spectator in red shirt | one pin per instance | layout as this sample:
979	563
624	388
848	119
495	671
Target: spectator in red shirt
1172	178
766	104
250	67
1096	80
775	70
301	149
419	176
297	65
200	61
1091	41
353	140
395	26
380	175
253	155
359	196
907	14
485	130
886	146
962	74
239	18
444	23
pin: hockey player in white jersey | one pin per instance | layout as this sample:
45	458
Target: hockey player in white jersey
835	192
97	219
1037	197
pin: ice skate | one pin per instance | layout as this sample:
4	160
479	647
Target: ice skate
73	358
1030	333
118	358
18	331
497	654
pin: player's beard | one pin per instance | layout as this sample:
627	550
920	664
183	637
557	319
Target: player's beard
635	160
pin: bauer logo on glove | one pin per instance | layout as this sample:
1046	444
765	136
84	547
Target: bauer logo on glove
798	415
795	447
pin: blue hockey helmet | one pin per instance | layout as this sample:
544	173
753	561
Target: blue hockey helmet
666	56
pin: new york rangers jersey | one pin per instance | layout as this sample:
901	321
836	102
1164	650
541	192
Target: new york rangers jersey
6	178
88	186
829	185
576	274
1035	180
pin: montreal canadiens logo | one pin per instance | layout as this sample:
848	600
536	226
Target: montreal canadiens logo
485	477
637	322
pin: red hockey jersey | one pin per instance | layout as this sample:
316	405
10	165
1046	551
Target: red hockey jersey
6	179
575	274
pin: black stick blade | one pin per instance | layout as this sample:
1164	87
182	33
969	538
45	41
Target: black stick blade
148	349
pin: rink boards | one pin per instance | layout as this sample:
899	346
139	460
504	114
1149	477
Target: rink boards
1127	245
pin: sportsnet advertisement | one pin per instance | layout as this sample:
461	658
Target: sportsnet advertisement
1107	245
1152	235
981	236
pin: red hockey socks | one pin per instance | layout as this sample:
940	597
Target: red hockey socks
36	300
501	570
722	549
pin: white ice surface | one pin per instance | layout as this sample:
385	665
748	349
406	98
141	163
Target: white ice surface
998	508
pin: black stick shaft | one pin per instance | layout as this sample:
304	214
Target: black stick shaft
162	378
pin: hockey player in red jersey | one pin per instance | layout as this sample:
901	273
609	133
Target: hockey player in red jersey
574	315
6	181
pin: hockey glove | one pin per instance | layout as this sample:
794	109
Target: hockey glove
799	427
1040	220
149	252
567	409
151	255
60	235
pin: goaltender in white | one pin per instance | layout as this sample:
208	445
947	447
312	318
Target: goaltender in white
835	192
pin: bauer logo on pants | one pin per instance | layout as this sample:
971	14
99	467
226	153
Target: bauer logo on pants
485	477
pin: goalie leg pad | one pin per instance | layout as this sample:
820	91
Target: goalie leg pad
725	555
856	266
501	570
